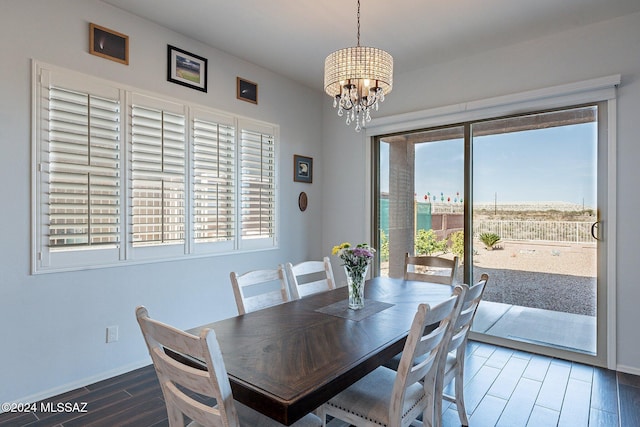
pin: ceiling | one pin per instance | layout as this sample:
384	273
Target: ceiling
293	37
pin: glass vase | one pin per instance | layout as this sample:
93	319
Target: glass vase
355	283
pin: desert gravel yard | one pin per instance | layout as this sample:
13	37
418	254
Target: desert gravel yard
559	277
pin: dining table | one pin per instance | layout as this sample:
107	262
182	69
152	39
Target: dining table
286	360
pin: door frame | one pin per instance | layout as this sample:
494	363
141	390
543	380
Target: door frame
600	90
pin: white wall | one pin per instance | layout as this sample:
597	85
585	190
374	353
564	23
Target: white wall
53	325
597	50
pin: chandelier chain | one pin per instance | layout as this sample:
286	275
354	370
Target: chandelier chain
358	23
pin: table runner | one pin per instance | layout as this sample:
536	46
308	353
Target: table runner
341	309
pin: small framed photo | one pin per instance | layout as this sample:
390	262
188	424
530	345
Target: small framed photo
246	90
302	169
186	69
108	44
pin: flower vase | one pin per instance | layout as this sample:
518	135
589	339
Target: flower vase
355	282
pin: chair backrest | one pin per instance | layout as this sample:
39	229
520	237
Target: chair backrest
258	289
322	279
422	356
472	298
176	375
433	265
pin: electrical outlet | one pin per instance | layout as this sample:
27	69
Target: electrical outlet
112	333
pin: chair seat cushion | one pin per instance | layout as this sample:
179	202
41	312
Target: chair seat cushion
370	397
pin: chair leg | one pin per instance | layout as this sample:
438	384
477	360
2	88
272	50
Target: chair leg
175	417
459	391
435	406
428	415
433	419
322	415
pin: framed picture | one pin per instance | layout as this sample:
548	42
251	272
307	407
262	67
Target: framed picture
108	44
246	90
302	169
186	69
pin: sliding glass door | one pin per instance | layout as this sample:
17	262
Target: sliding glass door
516	198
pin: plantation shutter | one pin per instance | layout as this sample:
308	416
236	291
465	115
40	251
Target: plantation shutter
157	175
175	181
83	164
257	184
213	181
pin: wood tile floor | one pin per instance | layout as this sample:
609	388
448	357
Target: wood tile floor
503	388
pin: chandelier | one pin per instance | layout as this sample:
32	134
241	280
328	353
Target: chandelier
358	78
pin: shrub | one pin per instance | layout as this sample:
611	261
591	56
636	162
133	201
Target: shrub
457	244
489	239
384	247
427	243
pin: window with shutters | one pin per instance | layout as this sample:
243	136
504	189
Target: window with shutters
213	178
77	172
121	176
258	172
158	174
83	169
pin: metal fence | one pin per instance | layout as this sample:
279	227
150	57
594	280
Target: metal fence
552	231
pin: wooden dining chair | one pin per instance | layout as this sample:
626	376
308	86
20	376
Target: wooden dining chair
388	398
258	289
453	366
432	269
310	277
187	390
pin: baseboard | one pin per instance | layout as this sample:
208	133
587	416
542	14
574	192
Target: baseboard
82	382
628	369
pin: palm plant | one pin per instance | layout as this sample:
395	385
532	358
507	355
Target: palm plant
489	240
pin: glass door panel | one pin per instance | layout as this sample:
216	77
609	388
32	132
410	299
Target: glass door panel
420	195
534	207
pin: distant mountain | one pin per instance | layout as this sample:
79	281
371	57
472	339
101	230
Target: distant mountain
532	206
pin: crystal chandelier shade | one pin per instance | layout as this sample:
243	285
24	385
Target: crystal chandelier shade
358	78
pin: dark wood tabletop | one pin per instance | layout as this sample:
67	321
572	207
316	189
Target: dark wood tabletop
286	360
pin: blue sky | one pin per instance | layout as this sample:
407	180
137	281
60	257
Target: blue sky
555	164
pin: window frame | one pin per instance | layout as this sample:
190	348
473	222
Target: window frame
43	257
125	252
